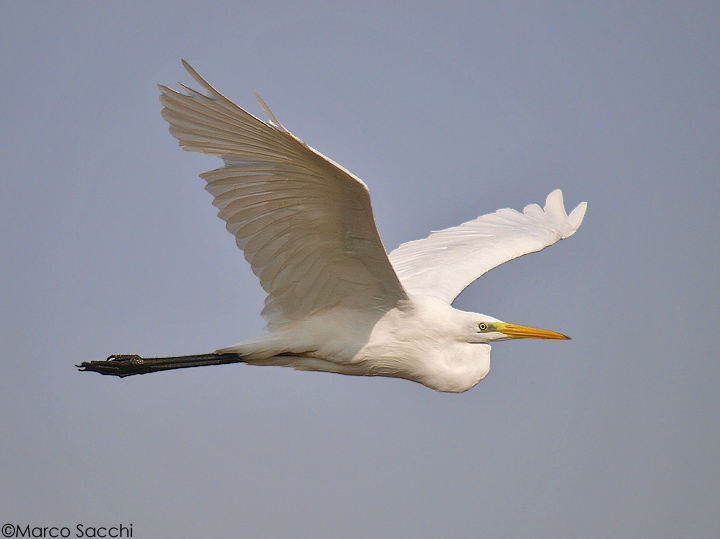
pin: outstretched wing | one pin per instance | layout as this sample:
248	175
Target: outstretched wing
304	223
446	262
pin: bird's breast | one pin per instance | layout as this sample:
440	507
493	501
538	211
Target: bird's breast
405	348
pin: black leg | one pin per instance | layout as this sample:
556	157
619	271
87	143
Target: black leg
127	365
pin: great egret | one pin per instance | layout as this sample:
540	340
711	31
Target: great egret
337	302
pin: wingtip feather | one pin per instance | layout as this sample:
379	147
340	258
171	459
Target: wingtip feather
576	216
555	206
266	110
202	82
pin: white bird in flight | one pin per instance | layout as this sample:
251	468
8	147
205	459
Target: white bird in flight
336	301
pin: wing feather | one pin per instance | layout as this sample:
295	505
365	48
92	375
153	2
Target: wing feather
446	262
305	224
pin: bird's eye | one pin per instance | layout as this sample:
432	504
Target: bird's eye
483	326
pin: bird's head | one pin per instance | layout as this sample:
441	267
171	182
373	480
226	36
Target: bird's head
489	329
469	327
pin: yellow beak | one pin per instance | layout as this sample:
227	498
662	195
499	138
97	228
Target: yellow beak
523	332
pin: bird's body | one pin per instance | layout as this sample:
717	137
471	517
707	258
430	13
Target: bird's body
337	302
417	340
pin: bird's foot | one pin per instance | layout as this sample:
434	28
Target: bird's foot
117	364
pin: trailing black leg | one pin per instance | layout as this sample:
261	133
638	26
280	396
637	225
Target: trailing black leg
127	365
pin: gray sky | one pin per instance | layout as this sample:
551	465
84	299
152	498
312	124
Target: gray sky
110	245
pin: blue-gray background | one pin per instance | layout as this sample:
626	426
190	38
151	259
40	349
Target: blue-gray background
447	110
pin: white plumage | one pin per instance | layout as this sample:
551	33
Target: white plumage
446	262
336	301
